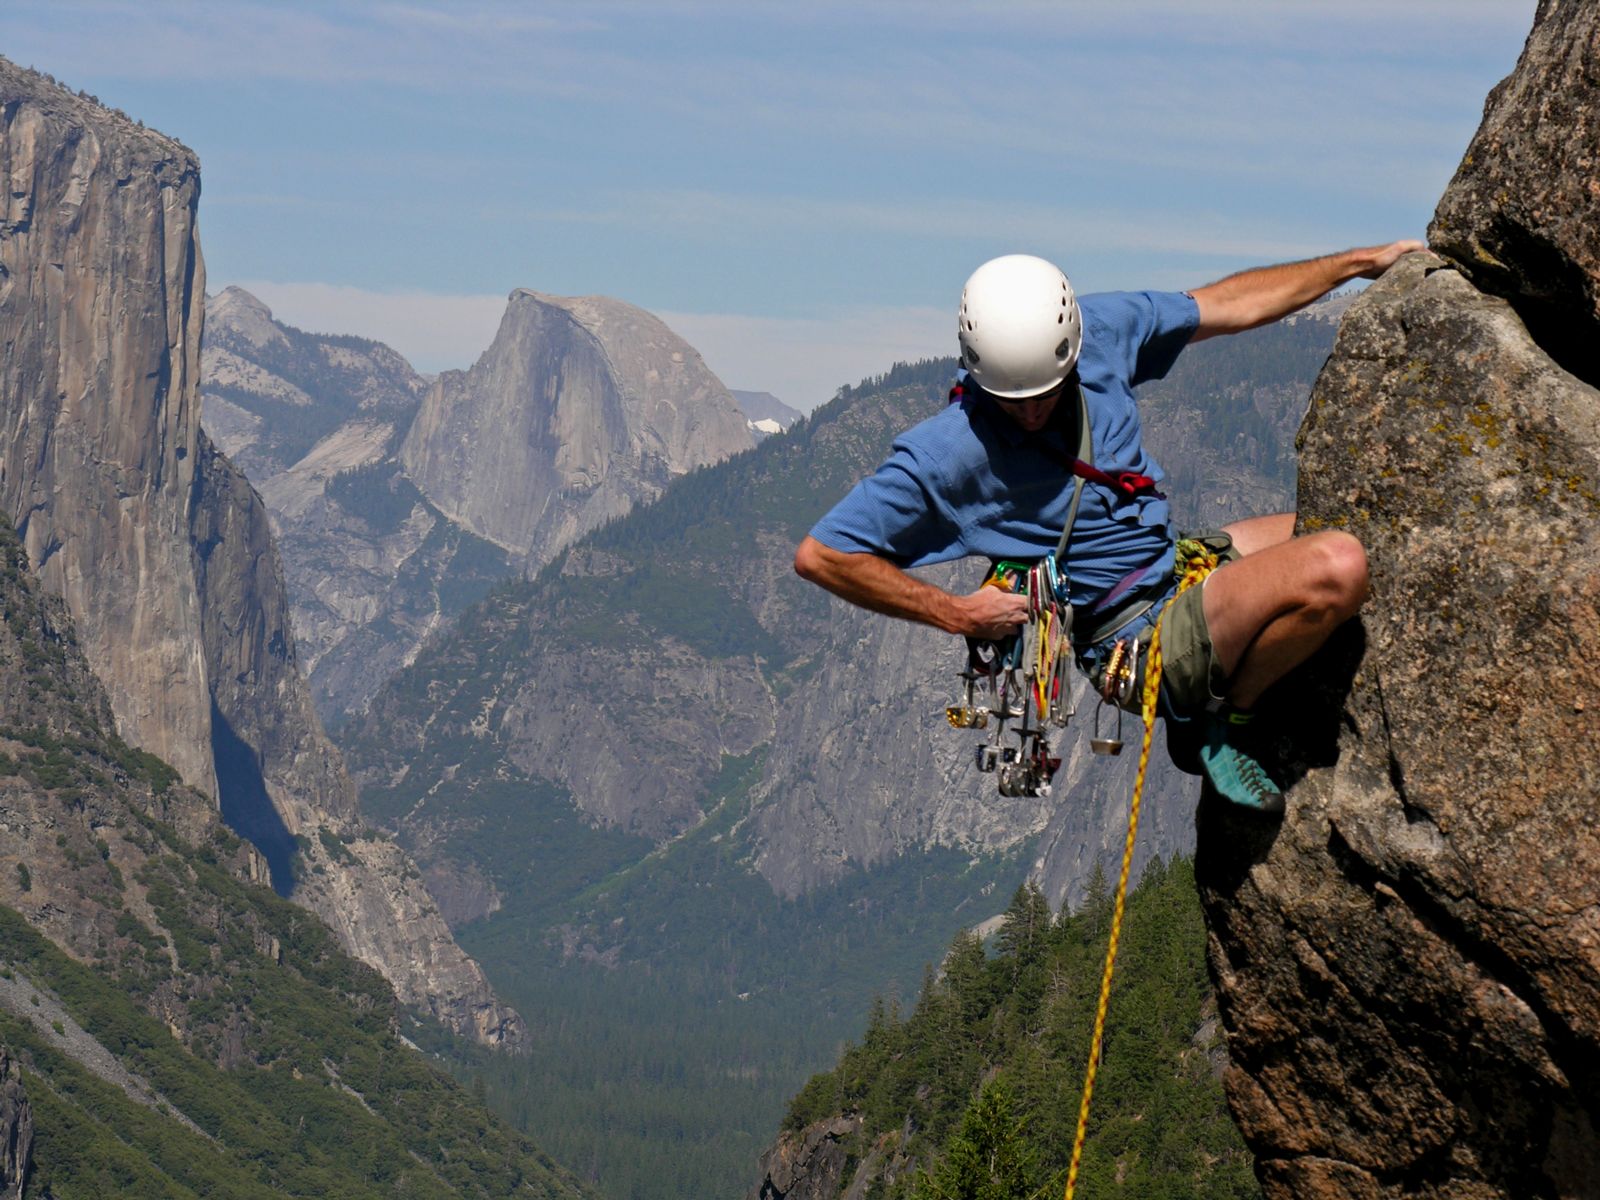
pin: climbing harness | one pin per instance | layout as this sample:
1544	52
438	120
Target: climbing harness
1023	678
1199	561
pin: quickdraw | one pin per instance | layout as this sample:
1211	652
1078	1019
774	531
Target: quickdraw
1116	690
1021	679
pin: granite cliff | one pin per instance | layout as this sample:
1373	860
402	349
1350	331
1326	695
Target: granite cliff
315	421
581	408
1407	965
16	1129
155	541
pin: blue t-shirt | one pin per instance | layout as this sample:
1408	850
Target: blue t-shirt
970	481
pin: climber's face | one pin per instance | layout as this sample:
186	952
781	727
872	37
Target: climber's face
1033	414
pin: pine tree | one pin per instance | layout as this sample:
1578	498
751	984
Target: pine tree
1027	921
1096	907
988	1158
966	975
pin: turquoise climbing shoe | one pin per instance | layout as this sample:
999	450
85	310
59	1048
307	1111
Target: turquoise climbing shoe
1230	763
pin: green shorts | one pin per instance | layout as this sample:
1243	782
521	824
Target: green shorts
1191	677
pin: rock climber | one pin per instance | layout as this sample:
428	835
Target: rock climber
986	477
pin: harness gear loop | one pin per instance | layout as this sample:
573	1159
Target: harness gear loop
1198	563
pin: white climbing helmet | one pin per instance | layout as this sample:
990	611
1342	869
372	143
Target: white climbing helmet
1019	326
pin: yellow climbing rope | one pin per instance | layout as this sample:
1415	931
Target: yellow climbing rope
1199	561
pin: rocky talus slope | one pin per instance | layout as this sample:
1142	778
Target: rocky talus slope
581	408
1409	963
316	421
157	544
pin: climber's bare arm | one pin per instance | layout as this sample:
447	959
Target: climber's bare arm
877	584
1264	294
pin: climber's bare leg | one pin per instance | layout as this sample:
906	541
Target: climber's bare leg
1257	533
1272	609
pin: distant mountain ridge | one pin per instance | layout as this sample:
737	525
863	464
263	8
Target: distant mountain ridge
579	408
398	501
316	421
273	392
766	414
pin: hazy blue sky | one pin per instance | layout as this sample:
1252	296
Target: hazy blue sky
799	189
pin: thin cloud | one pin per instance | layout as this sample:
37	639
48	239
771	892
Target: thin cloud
614	146
1106	93
478	19
717	214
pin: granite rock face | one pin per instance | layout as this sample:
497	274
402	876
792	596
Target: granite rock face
580	408
808	1164
157	544
315	421
16	1129
100	309
1408	965
1521	218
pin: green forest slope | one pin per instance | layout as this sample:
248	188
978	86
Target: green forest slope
975	1095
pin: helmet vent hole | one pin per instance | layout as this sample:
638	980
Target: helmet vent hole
1065	347
1061	318
972	356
